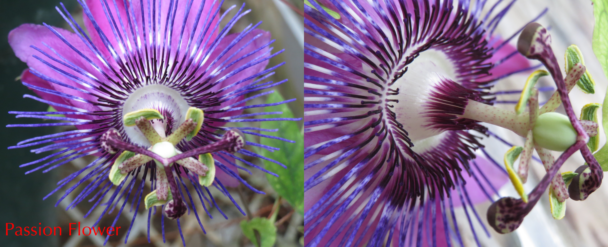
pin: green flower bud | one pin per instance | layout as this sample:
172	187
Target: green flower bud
554	131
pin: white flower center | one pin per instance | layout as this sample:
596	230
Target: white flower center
157	97
164	149
415	86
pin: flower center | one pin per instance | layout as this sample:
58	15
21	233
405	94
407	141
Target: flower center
165	149
162	98
443	63
165	154
415	87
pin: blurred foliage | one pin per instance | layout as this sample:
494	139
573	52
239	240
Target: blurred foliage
289	183
328	10
264	227
600	48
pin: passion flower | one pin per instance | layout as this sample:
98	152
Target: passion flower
389	149
150	88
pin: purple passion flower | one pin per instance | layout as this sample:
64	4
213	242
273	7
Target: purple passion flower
150	89
388	153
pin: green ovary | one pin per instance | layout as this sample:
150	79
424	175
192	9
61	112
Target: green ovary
554	131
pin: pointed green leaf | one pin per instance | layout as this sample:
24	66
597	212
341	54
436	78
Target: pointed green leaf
290	182
130	118
115	175
151	200
265	228
329	11
207	180
573	56
198	117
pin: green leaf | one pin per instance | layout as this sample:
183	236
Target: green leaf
600	33
329	11
290	182
266	229
51	109
600	48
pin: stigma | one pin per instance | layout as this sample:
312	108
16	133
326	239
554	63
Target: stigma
163	151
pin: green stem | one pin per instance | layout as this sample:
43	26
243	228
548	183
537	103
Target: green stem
246	206
505	118
275	210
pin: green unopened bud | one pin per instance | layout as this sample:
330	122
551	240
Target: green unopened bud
554	131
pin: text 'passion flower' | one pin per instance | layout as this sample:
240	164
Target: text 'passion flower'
395	94
150	87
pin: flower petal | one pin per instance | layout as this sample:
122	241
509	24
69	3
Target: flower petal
33	43
101	20
231	58
154	25
502	67
225	178
497	178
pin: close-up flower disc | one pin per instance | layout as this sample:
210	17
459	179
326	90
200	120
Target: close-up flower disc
390	151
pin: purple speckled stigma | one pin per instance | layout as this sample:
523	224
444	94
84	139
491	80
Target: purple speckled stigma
387	157
145	54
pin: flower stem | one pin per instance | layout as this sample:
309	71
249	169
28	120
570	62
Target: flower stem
176	207
172	184
554	170
505	118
